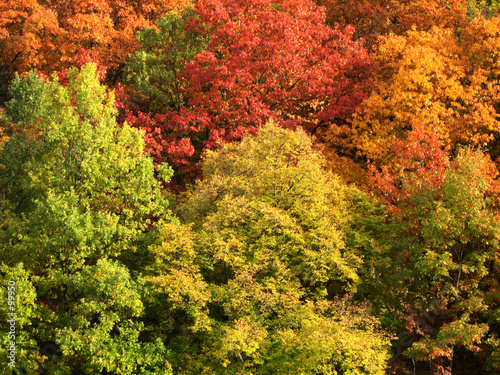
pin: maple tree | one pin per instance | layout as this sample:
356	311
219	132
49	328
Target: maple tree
370	18
373	18
429	77
109	27
26	27
227	66
47	35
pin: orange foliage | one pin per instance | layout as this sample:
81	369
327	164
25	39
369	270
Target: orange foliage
379	17
437	78
426	14
27	28
370	17
47	34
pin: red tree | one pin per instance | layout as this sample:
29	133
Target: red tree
263	59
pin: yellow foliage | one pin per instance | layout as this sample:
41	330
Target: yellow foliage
439	78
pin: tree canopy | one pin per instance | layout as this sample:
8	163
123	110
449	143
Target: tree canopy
250	187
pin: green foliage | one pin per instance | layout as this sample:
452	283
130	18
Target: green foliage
25	310
177	281
494	358
446	238
84	190
29	98
482	8
268	198
77	189
99	331
330	339
368	236
154	68
274	266
457	333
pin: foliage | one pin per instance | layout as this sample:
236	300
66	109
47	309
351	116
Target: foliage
437	78
17	281
373	18
263	258
218	72
47	34
447	235
26	28
274	265
77	189
99	331
76	186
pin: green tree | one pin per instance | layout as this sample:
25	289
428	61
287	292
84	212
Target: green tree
78	193
441	277
154	69
75	185
22	302
96	323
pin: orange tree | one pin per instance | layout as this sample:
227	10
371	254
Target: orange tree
373	18
441	78
46	35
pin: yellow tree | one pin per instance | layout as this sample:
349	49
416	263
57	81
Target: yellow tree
256	273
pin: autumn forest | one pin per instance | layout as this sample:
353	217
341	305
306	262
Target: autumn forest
250	187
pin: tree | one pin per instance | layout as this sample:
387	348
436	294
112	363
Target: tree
374	18
26	27
70	166
18	310
482	8
221	71
47	35
98	327
86	321
258	265
370	18
78	193
436	78
445	243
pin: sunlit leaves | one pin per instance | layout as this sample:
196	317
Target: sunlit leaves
446	235
434	78
84	178
265	236
223	69
47	35
100	330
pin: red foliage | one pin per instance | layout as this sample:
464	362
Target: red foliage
419	166
420	162
84	56
265	59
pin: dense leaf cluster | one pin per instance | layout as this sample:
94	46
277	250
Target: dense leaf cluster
250	186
